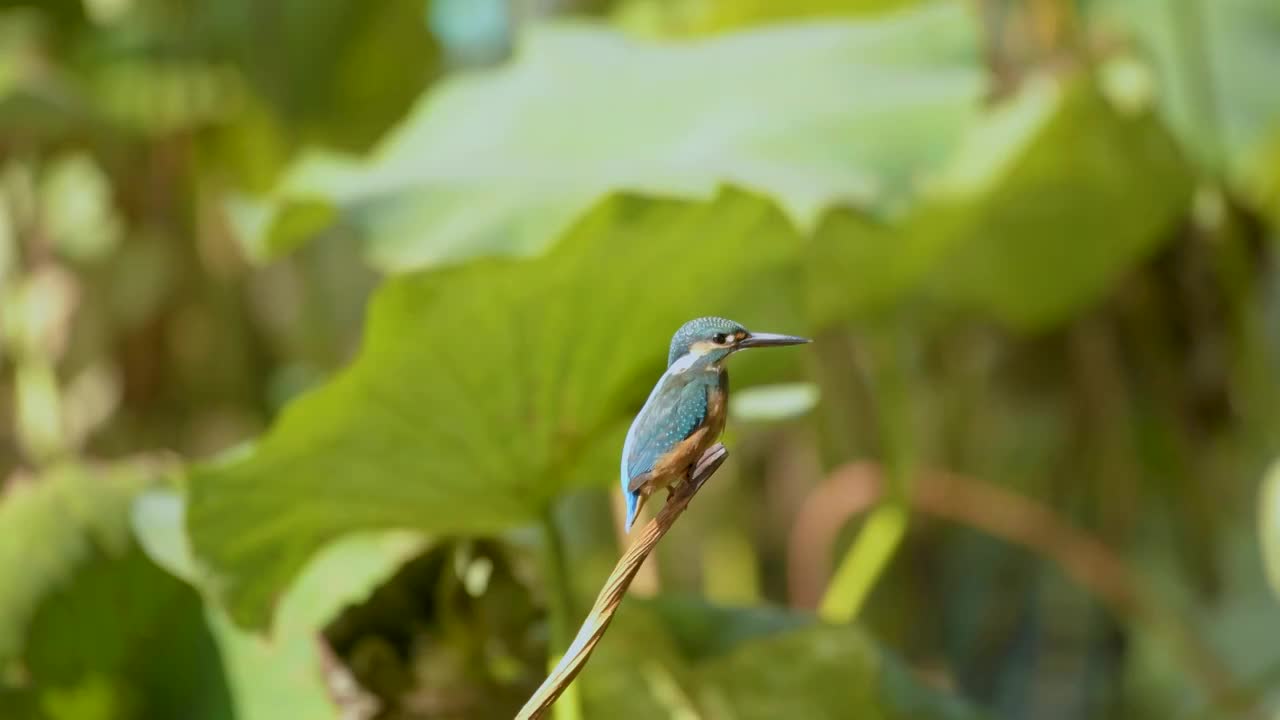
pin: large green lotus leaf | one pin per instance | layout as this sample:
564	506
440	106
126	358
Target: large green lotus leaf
1049	197
53	526
1050	200
679	17
483	390
678	657
857	265
95	624
827	671
637	670
702	630
811	114
280	676
1215	65
115	631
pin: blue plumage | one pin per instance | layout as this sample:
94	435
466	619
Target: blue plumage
685	412
676	409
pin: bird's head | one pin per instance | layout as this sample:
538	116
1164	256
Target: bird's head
712	339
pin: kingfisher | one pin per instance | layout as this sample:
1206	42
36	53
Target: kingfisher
686	410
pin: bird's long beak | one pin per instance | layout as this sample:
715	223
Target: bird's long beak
770	340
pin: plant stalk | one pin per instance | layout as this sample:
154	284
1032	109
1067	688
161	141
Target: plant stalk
560	601
615	587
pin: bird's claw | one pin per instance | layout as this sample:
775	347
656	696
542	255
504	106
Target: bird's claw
710	461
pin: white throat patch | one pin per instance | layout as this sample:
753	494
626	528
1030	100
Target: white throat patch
684	362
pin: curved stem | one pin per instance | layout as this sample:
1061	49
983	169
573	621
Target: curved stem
560	599
556	569
1019	521
615	588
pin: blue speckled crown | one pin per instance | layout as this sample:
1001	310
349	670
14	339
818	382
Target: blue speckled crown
703	328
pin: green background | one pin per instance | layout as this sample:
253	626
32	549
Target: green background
322	322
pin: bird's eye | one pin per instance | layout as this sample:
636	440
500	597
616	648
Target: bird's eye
720	338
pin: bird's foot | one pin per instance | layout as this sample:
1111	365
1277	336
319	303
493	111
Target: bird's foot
710	461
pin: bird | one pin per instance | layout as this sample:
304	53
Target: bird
686	409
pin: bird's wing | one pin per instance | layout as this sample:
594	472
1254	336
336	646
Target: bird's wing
675	410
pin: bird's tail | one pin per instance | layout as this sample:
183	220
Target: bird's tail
635	501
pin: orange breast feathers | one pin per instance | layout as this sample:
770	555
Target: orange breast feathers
675	465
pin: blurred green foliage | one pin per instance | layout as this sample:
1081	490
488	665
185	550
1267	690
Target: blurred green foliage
94	622
1035	243
480	168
